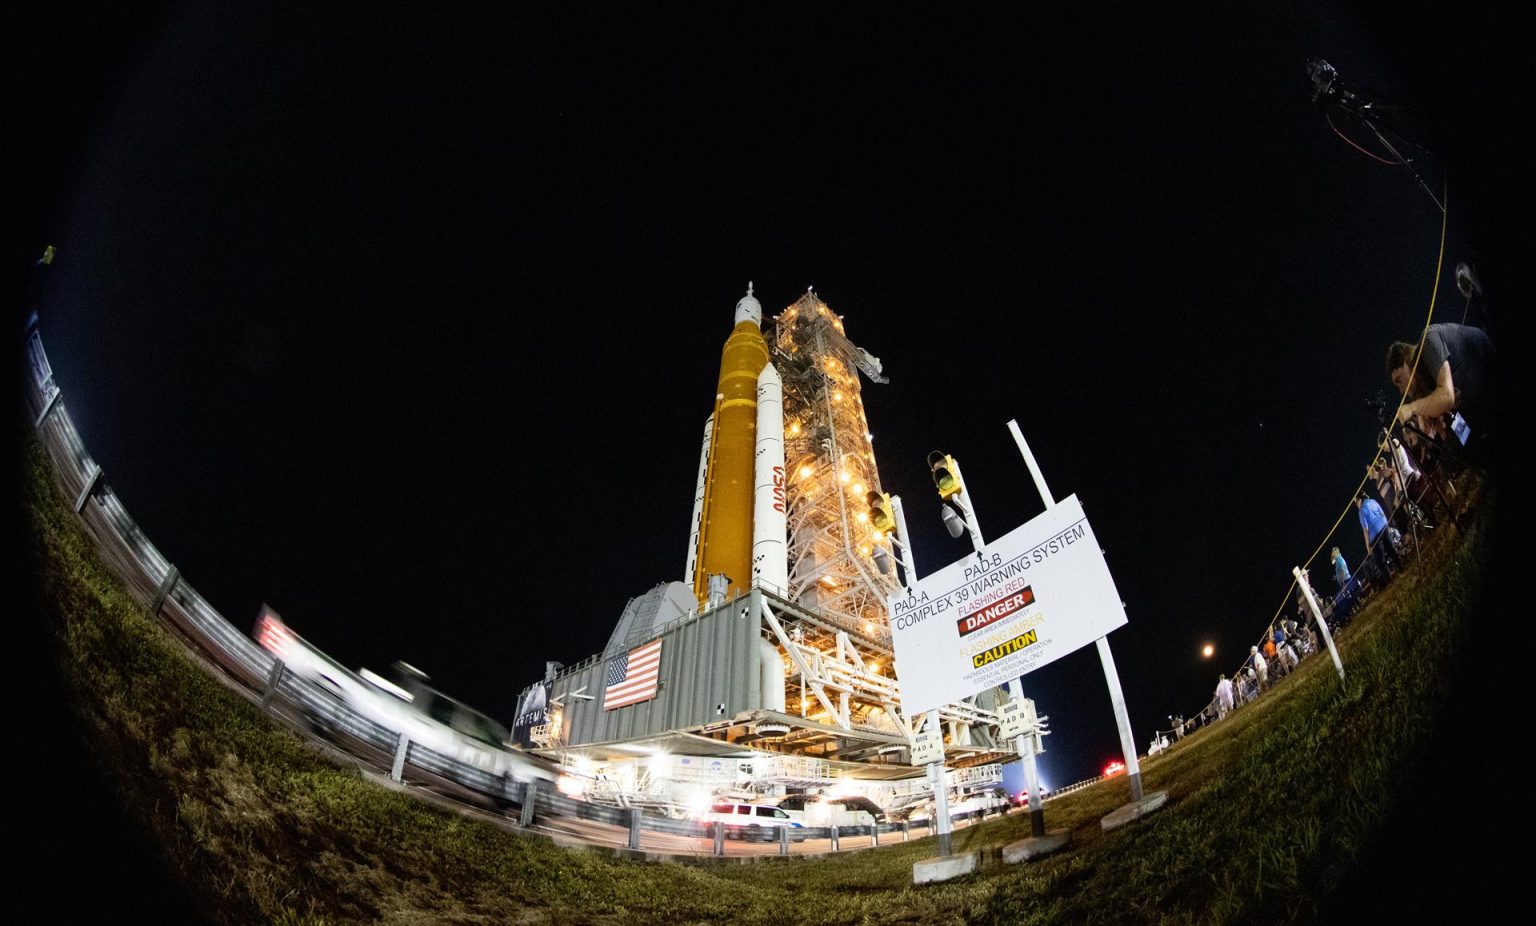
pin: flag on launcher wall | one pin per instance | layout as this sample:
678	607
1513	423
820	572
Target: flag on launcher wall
632	676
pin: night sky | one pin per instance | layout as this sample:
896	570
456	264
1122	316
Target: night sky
408	327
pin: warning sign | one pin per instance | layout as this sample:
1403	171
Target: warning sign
995	612
1033	596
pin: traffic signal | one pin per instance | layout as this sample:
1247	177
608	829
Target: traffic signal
880	516
945	478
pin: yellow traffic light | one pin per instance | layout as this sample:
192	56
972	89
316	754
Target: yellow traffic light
880	517
944	476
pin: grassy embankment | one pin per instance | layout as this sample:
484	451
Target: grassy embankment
265	829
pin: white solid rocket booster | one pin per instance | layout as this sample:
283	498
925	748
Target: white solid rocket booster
770	565
698	503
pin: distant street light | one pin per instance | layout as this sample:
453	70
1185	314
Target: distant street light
1208	651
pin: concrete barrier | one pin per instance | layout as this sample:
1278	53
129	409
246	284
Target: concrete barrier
945	867
1135	810
1035	846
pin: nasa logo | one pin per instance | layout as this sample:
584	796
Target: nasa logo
778	489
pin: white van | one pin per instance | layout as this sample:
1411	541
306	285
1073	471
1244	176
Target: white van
751	821
818	811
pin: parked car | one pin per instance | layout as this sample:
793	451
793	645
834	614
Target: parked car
752	821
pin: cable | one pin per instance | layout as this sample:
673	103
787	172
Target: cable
1406	162
1351	143
1439	267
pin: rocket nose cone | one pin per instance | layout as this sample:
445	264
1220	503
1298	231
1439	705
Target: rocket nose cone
748	309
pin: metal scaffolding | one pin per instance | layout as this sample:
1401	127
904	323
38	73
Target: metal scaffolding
831	467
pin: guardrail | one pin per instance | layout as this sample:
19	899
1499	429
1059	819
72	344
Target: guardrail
1078	786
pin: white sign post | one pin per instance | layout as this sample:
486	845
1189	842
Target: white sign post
928	741
938	775
1122	717
1106	658
1025	600
928	749
1017	721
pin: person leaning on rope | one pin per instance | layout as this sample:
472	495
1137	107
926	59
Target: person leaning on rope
1455	370
1378	543
1259	666
1340	569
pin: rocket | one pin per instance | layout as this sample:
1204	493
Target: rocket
770	567
739	503
698	503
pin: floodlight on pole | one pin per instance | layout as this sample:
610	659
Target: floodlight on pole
882	561
952	521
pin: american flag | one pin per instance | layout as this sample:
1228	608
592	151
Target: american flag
632	676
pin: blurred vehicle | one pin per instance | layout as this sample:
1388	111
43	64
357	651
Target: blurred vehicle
1114	768
751	821
907	807
1022	798
973	803
428	717
820	810
980	801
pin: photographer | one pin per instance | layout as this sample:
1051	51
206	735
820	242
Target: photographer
1453	371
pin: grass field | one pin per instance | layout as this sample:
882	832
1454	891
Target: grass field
1269	812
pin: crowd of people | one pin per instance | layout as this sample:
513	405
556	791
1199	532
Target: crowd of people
1286	643
1445	426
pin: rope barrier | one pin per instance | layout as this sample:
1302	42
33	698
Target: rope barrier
1383	444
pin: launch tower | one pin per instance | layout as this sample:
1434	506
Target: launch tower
830	462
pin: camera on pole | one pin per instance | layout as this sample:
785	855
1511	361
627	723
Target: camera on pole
1387	122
